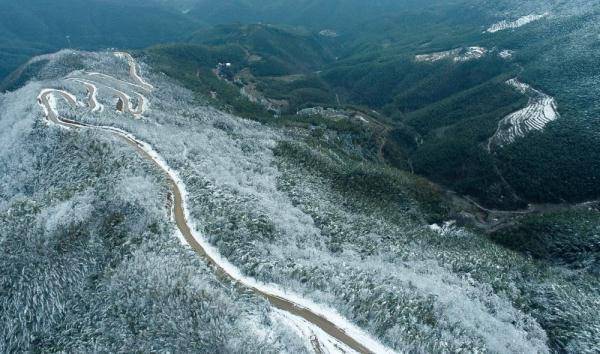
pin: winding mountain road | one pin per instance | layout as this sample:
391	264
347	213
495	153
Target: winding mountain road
124	104
133	71
93	103
326	320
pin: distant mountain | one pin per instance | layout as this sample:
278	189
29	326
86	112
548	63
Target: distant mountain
312	13
31	27
339	13
280	49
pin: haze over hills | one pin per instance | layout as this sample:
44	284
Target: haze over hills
32	27
300	176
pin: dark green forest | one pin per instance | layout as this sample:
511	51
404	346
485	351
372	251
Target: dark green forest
33	27
439	115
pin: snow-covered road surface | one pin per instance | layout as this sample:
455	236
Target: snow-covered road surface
92	89
124	104
133	71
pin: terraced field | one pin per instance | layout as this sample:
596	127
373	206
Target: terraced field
541	110
522	21
457	55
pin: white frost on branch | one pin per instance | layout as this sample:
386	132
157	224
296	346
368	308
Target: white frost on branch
234	180
70	212
229	268
506	54
315	339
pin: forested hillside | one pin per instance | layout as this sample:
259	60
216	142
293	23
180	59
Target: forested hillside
32	27
441	114
300	176
306	207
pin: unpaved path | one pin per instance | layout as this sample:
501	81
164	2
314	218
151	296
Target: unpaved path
133	71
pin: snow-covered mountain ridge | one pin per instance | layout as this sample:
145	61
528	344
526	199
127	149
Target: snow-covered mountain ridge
273	219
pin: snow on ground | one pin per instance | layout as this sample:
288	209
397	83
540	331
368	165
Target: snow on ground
271	289
522	21
433	57
142	105
506	54
97	106
113	79
447	228
471	53
128	106
314	338
235	273
133	69
540	110
457	55
52	101
471	308
94	97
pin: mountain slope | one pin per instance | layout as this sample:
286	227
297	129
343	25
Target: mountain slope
272	201
277	50
283	205
158	202
31	27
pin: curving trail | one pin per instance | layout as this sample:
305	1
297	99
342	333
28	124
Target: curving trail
141	104
329	324
93	103
133	72
124	104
